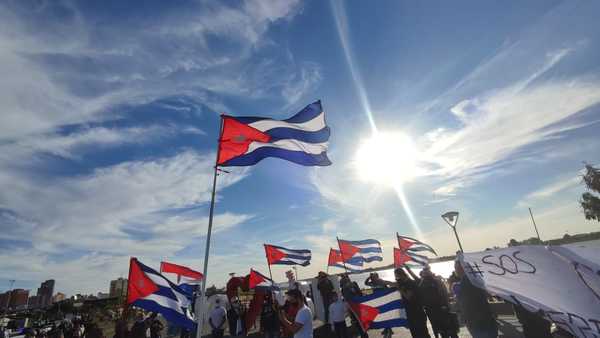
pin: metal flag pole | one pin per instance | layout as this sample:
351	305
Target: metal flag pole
268	264
342	253
534	225
200	300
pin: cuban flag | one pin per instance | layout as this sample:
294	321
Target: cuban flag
411	252
277	255
187	279
379	310
151	291
257	280
368	250
301	139
353	264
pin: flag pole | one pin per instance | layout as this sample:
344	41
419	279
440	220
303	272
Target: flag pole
342	253
268	264
125	304
200	300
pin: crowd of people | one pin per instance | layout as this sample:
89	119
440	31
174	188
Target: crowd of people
426	297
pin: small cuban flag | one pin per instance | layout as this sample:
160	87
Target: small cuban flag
187	279
277	255
354	264
301	139
379	310
411	252
257	280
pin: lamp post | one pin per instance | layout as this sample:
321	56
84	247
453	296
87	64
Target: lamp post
451	217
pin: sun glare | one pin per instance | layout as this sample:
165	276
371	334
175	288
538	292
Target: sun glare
387	158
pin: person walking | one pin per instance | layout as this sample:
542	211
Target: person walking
269	320
326	289
475	309
337	316
302	326
415	315
217	319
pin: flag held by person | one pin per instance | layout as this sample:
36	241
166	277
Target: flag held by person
187	279
379	310
151	291
301	139
277	255
411	252
335	259
368	250
256	280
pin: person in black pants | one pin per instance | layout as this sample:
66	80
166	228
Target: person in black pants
415	315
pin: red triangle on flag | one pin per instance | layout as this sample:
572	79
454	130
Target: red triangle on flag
256	279
274	255
335	256
400	257
138	285
404	244
347	250
365	313
236	138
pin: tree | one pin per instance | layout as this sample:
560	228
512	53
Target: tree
513	242
589	202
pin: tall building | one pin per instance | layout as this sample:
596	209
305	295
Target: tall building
118	288
34	302
18	299
45	292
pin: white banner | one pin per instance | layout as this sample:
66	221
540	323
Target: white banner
560	281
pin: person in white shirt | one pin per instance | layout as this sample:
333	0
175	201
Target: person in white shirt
302	327
217	319
337	316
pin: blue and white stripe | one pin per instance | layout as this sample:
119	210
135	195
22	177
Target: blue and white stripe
170	300
370	250
354	264
293	256
390	307
302	139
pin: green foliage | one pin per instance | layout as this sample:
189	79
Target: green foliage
589	202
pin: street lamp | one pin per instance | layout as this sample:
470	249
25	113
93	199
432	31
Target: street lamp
451	217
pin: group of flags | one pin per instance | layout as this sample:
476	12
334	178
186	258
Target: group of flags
244	141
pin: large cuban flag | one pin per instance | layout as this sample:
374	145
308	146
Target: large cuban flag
151	291
301	139
277	255
354	264
379	310
368	250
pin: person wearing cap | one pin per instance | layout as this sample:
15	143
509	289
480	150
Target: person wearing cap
302	326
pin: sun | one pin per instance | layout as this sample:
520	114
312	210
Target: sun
387	158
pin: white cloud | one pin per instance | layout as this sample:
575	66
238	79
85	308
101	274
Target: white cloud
551	190
96	208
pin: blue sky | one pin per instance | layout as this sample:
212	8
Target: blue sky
110	118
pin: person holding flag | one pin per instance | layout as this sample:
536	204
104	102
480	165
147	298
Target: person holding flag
302	326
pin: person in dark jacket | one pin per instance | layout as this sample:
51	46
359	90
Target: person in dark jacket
475	309
138	330
435	302
534	326
326	289
415	315
269	320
